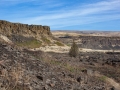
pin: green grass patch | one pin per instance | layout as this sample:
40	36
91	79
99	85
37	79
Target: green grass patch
45	40
53	62
69	67
103	78
68	44
59	43
30	44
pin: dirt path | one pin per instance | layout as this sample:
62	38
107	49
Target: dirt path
110	81
96	50
57	49
65	49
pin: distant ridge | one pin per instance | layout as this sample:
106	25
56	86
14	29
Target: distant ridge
95	33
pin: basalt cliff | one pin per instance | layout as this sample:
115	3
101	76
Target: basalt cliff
8	28
29	36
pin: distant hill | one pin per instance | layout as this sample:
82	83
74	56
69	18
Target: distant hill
93	33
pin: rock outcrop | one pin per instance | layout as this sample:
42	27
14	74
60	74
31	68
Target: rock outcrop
8	28
100	42
94	42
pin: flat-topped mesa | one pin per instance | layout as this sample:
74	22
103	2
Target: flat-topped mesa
8	28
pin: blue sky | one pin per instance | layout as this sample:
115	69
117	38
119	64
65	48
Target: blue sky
64	14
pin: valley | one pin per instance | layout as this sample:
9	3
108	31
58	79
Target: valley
40	60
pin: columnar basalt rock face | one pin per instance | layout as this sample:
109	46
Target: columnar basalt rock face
8	28
100	42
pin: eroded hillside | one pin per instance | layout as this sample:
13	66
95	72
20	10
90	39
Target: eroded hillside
26	36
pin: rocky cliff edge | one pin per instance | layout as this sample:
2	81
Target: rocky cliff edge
8	28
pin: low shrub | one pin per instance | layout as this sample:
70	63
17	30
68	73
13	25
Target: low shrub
74	50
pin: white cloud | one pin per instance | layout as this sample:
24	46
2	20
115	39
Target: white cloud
66	16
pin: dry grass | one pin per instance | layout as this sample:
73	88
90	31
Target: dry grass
103	78
45	40
14	78
30	44
59	44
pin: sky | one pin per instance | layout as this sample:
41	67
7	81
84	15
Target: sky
102	15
